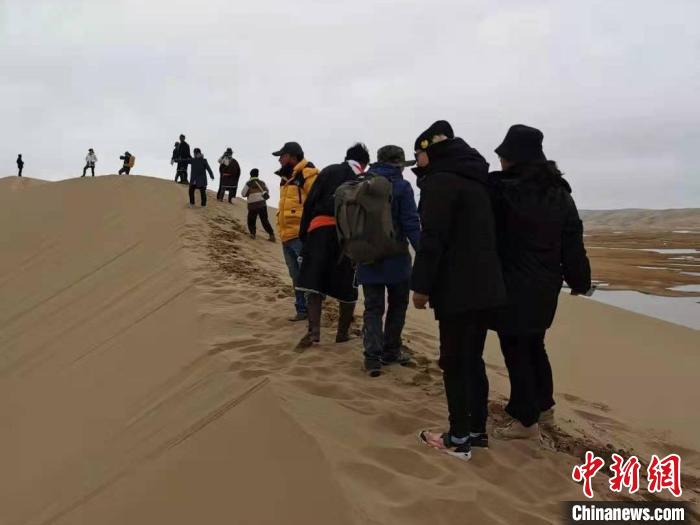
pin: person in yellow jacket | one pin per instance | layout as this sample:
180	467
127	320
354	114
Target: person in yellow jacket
298	175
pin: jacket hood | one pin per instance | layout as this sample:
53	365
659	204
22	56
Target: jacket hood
458	157
537	174
390	171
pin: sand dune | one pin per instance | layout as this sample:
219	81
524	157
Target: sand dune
148	375
642	219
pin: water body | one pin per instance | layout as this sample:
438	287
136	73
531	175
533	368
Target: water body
679	310
675	251
686	288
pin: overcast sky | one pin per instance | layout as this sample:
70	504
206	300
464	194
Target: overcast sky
612	84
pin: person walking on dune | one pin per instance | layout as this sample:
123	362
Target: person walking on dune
90	161
325	270
129	161
297	176
457	270
181	156
20	165
229	175
257	193
540	240
386	284
198	176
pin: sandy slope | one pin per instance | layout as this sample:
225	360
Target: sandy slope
147	375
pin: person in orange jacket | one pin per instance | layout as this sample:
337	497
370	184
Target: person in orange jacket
297	176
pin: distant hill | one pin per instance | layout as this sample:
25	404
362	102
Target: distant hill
641	219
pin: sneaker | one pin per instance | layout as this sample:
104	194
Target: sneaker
300	316
461	451
373	368
251	235
547	418
308	341
479	440
342	337
401	357
514	429
190	205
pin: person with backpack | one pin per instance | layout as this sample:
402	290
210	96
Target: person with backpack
458	271
257	193
181	156
325	270
540	240
386	283
129	161
229	175
20	165
90	161
198	176
297	178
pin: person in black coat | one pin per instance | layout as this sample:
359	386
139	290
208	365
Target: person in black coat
198	176
324	270
181	156
540	243
20	165
457	270
229	175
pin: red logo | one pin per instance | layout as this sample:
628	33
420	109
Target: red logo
587	472
665	474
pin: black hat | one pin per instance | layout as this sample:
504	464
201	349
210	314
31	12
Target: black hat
522	144
438	132
290	148
359	153
393	155
254	172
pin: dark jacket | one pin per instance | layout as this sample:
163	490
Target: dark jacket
182	152
321	199
198	174
406	224
20	162
126	159
457	262
540	243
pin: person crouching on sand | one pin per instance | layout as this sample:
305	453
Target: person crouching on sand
325	271
90	161
457	270
257	193
128	163
540	239
198	176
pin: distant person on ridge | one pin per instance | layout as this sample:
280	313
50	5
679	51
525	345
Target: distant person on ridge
181	156
20	165
458	271
90	161
257	193
324	270
229	175
129	161
540	239
198	176
297	177
388	282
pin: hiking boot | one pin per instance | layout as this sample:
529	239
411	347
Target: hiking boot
300	316
514	429
396	357
373	368
547	418
346	311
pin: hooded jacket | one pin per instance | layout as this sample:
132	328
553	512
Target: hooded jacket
404	213
294	190
540	242
457	262
200	168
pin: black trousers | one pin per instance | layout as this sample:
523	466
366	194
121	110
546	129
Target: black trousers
531	384
88	167
264	219
462	339
202	193
230	184
181	173
20	172
125	169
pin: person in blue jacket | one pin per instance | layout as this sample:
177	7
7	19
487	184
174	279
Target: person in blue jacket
386	284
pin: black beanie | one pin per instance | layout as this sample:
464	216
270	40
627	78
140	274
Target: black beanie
359	153
254	172
434	134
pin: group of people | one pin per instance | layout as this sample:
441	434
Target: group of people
491	253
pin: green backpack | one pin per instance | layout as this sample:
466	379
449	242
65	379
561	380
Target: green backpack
363	220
